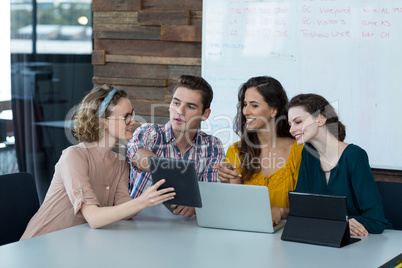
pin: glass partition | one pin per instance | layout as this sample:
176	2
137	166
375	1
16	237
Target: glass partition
50	45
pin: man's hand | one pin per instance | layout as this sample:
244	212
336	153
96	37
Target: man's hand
140	159
184	211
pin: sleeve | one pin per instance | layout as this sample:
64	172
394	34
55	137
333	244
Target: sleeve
144	137
216	156
367	194
233	156
302	179
122	191
73	169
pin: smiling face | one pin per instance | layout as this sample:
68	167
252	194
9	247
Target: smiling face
186	111
257	112
303	126
116	127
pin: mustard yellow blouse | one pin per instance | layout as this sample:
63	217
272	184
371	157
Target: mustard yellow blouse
279	183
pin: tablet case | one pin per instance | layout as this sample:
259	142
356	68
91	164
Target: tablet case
179	174
318	219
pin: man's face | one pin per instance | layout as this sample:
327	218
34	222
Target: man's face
186	111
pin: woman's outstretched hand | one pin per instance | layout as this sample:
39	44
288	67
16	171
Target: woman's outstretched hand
153	197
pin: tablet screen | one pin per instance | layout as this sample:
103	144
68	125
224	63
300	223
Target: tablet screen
179	174
320	206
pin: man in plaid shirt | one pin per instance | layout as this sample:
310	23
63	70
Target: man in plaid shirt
180	138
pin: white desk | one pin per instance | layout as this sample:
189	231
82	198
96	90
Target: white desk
152	242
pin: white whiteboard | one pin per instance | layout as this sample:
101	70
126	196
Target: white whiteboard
348	51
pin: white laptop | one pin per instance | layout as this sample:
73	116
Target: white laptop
235	207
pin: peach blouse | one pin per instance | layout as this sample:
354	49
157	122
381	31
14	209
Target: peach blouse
81	176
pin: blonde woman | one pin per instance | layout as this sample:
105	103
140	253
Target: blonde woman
90	183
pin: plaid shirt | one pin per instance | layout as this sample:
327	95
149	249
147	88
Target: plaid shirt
205	150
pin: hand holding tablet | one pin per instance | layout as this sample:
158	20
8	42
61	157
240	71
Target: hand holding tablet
179	174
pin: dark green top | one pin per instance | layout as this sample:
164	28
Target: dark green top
352	177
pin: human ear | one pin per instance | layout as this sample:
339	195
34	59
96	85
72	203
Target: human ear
321	120
274	112
206	114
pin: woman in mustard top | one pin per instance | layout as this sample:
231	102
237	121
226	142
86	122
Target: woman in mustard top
266	154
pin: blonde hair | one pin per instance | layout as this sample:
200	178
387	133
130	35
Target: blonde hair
86	122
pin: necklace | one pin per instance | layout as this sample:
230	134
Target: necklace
326	171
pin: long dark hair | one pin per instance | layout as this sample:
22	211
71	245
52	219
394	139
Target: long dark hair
249	147
315	104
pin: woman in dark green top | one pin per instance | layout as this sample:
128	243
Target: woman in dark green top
330	166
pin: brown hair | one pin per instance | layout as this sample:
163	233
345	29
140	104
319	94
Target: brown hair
275	96
197	83
315	104
86	121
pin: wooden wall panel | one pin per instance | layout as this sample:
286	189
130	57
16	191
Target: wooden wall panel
149	48
126	28
155	35
171	4
181	33
196	18
112	5
151	60
150	107
163	17
387	175
98	57
146	71
115	18
144	46
145	93
130	81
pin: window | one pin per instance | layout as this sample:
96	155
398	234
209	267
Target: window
51	26
51	45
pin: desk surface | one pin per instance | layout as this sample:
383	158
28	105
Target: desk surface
149	241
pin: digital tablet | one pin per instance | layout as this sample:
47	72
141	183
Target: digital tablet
319	206
179	174
319	219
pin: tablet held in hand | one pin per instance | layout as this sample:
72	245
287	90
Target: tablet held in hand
179	174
